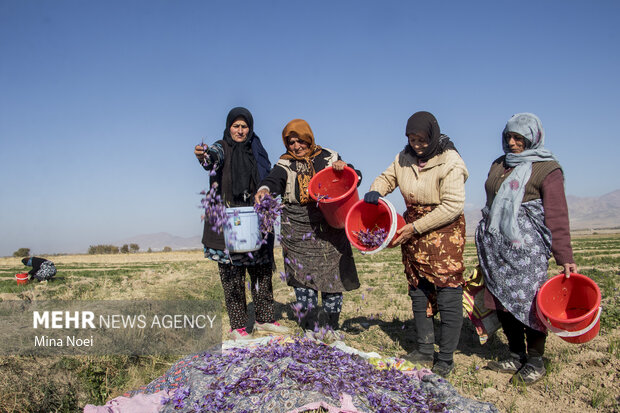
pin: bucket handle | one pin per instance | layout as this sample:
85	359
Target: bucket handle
563	333
390	234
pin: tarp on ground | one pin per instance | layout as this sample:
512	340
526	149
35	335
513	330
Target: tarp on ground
294	375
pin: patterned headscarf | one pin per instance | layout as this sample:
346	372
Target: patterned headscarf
304	166
505	208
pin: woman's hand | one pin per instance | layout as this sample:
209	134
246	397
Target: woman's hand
404	234
260	194
339	165
570	268
200	153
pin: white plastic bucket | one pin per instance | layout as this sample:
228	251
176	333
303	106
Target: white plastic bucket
242	230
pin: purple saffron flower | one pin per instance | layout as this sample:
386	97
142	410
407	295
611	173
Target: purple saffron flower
269	210
371	238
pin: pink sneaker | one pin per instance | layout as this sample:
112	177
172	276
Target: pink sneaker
239	334
270	328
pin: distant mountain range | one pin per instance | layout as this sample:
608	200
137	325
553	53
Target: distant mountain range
585	213
593	213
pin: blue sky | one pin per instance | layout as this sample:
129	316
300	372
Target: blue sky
101	102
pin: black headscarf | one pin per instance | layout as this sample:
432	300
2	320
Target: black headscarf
245	176
425	124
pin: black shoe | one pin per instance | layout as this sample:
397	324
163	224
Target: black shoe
512	364
529	374
309	321
416	357
332	320
443	368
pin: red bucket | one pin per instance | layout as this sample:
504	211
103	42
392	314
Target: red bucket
22	278
335	193
363	216
570	307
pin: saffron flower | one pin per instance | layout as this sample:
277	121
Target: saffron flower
306	366
371	238
269	210
215	211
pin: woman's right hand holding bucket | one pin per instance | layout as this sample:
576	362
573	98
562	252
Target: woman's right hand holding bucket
570	268
372	197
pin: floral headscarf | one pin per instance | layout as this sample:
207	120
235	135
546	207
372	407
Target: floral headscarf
300	129
505	208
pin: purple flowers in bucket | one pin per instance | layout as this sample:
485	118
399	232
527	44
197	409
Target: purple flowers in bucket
371	238
320	198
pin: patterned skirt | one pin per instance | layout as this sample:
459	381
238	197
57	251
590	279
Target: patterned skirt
316	255
46	272
514	275
436	255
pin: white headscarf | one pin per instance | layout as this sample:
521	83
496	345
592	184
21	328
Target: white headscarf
505	208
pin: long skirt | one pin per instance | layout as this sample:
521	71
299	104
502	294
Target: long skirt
316	255
514	275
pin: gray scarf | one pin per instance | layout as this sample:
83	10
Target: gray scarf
505	208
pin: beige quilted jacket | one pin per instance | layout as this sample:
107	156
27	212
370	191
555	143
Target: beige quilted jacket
440	182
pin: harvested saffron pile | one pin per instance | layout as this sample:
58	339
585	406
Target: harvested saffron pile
282	376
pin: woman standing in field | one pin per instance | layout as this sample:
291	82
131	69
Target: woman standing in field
431	176
317	257
237	164
524	221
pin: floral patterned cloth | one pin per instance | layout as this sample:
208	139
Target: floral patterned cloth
514	275
46	272
436	255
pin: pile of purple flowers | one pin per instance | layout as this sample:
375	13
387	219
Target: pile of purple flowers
268	210
215	211
371	238
246	378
